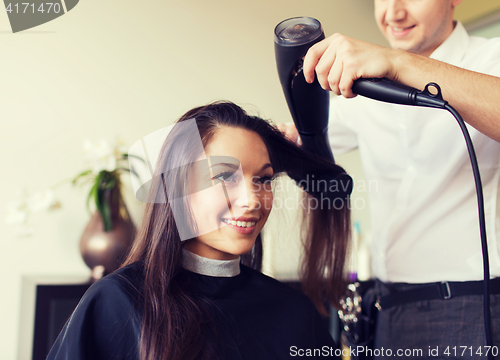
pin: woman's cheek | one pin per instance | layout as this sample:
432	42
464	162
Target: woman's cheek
267	201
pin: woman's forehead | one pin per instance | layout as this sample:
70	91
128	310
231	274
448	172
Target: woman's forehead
241	144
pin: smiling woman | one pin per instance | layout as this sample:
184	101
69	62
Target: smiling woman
191	287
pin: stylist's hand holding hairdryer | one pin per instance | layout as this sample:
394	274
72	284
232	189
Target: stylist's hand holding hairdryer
339	60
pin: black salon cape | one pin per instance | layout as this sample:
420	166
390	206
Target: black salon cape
260	318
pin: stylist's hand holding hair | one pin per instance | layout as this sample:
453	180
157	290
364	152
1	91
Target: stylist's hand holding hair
290	131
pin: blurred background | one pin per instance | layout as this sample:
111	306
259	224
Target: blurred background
120	69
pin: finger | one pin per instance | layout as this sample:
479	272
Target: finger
293	136
346	81
334	77
291	132
328	60
345	86
312	58
324	67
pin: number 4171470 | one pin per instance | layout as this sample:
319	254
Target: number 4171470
24	8
470	351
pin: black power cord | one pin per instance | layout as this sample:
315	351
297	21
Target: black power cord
434	99
482	226
396	93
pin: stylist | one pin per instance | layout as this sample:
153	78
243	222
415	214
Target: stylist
424	209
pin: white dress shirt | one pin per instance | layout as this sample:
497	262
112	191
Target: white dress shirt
422	196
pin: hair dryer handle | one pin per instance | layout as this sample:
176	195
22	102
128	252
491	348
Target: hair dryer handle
385	90
311	109
396	93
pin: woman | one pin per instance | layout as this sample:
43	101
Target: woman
182	293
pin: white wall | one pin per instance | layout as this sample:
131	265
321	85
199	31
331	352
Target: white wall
128	68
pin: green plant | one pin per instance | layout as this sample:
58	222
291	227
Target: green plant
107	166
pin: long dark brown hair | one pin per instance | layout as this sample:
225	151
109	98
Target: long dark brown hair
171	315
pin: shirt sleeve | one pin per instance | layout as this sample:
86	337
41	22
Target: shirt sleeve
104	326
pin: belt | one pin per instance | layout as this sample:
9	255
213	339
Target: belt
441	290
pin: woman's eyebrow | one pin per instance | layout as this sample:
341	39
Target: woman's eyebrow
268	165
230	165
236	166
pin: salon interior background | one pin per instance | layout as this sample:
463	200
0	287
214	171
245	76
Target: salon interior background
127	68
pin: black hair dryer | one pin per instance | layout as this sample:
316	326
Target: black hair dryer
308	103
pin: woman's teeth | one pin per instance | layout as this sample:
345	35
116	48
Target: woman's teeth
239	223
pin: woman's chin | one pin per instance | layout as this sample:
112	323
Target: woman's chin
221	249
237	247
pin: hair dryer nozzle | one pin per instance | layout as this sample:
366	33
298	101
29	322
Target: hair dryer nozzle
298	31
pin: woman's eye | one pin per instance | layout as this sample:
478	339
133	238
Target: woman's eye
226	177
266	180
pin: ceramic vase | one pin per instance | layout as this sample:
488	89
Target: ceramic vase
104	251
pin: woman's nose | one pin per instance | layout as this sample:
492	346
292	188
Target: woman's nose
246	196
253	197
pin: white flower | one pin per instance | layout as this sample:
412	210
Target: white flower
17	213
101	155
42	201
120	148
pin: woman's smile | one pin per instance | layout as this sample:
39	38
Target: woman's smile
242	225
